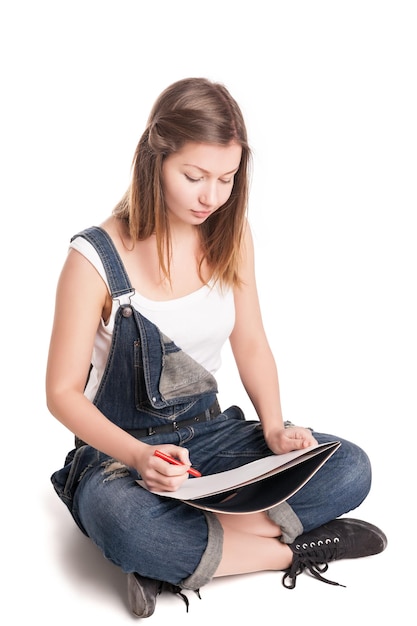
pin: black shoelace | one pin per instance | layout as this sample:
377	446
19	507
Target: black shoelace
179	592
315	563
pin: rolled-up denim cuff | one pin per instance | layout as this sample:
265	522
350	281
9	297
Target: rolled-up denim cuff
211	557
287	520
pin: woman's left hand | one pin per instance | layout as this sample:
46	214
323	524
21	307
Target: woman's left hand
284	440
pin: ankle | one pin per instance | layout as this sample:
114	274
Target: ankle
285	555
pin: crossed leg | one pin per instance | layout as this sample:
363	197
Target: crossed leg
250	544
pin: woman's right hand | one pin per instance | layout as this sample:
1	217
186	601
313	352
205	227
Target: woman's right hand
159	475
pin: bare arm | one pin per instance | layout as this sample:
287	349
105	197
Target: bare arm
256	363
81	300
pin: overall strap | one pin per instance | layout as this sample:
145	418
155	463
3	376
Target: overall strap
117	277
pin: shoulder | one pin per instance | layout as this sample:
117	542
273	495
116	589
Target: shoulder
89	246
85	252
118	232
83	271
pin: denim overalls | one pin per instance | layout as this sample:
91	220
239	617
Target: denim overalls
150	382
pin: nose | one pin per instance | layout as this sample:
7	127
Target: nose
208	195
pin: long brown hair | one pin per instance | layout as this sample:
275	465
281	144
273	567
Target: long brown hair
198	110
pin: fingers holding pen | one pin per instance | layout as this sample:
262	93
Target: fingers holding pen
164	468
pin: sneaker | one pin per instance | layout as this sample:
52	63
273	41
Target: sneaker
344	538
142	593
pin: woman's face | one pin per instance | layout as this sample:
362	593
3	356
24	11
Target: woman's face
198	180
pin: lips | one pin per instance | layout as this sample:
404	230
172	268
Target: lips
201	214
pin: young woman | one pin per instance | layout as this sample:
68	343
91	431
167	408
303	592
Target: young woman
144	305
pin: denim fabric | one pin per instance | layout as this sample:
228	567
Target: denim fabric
149	381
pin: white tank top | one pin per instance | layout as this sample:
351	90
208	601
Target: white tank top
199	323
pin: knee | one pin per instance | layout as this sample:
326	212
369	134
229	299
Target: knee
357	472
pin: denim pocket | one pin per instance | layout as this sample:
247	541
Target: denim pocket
181	376
165	375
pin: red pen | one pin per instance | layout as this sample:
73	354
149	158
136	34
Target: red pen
173	461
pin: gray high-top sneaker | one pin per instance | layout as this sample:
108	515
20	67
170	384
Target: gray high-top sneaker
142	593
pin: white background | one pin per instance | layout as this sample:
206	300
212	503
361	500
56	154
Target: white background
328	90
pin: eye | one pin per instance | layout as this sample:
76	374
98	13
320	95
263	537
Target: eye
226	182
191	179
